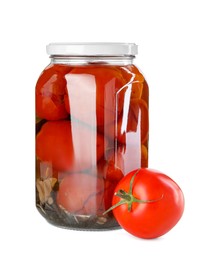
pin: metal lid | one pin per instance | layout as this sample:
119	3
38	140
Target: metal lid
92	49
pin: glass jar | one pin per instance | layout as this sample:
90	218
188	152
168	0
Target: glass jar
91	130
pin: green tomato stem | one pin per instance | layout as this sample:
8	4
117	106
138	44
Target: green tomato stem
132	182
114	206
128	198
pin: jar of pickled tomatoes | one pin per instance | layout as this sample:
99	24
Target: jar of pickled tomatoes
91	130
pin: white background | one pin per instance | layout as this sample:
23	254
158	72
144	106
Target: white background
173	55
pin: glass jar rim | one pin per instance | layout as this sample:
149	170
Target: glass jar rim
92	49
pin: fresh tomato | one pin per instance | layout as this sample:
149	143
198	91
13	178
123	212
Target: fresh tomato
97	89
69	146
147	203
50	92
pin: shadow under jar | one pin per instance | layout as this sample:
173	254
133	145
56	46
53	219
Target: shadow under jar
91	130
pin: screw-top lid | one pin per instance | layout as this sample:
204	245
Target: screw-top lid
92	49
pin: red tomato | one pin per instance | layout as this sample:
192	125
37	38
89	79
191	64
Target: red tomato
69	146
96	88
85	194
129	127
50	91
117	163
151	203
111	167
135	79
81	193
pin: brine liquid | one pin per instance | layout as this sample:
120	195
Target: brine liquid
91	130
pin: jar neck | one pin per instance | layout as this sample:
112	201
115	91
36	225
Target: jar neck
88	60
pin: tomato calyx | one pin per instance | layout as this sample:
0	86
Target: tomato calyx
128	197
